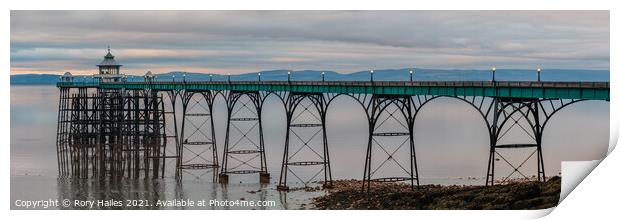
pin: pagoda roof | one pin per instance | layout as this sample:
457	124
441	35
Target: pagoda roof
108	60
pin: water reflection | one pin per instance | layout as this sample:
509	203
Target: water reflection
224	190
162	193
262	195
450	140
282	196
110	194
178	190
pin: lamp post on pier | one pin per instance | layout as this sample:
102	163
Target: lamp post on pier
289	76
493	69
322	76
259	76
538	74
411	75
372	78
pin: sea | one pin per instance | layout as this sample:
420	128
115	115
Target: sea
451	142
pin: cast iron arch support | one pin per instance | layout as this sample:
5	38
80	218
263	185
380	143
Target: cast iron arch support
299	123
379	105
542	111
503	111
172	132
486	107
245	119
197	143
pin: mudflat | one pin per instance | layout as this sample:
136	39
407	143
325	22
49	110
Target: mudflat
347	194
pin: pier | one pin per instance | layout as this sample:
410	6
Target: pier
112	128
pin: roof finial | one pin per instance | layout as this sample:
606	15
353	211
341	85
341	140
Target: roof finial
108	48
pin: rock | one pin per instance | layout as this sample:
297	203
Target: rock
521	194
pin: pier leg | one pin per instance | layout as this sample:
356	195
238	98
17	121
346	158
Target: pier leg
305	118
244	148
264	178
198	147
62	132
390	129
223	178
110	133
508	113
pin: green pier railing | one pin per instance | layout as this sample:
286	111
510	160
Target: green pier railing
509	89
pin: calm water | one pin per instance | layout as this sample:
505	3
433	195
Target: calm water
451	144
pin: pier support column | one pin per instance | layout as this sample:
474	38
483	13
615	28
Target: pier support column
390	156
223	178
264	178
305	146
62	133
171	134
198	148
244	147
515	114
156	137
110	133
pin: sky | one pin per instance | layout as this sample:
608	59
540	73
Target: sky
344	41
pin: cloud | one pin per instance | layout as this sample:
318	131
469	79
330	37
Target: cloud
345	41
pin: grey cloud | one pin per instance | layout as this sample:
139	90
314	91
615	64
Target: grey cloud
339	40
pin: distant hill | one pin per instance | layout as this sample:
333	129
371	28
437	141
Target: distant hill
380	75
34	79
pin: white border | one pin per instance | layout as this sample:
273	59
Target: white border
594	197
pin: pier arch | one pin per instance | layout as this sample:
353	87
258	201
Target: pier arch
455	134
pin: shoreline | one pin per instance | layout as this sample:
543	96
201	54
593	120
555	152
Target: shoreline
346	194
